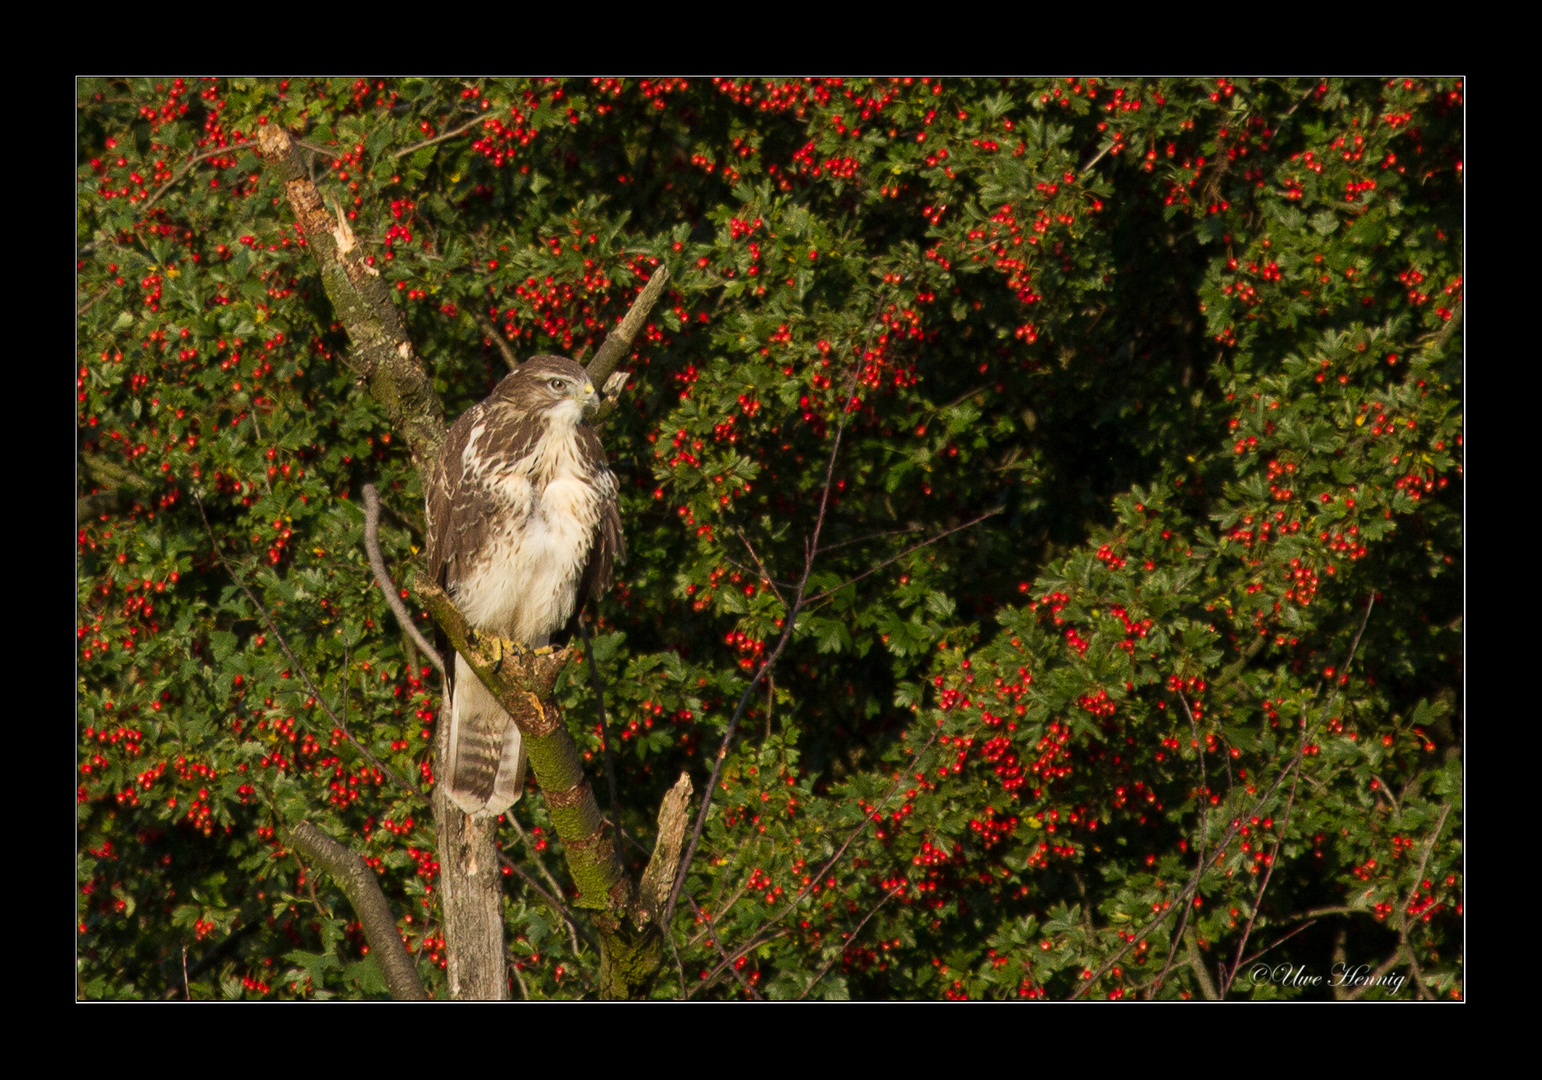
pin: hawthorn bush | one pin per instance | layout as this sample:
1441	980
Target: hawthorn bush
1127	414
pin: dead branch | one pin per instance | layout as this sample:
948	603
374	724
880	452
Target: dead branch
619	340
382	356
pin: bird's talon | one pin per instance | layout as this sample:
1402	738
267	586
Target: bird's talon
489	645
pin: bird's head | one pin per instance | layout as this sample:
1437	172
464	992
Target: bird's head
552	384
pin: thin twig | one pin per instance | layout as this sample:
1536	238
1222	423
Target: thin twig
556	890
556	905
1383	789
914	548
811	547
92	302
674	950
851	937
1289	770
180	173
717	943
1442	337
1303	98
747	568
1263	886
1087	168
1429	846
756	939
708	919
342	725
1279	941
874	536
770	701
257	429
404	151
1413	890
387	586
711	977
317	148
496	336
1204	836
810	551
1400	953
1204	778
764	573
347	677
1418	974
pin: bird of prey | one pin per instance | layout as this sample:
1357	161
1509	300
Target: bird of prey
523	528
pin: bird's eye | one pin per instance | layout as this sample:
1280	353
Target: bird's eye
558	385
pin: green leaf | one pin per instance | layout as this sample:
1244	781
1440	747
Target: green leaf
222	643
831	634
367	974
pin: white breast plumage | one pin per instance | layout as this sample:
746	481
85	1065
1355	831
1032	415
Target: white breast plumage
524	582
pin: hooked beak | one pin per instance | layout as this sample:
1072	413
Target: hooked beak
591	399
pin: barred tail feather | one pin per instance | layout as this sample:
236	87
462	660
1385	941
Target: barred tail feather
486	770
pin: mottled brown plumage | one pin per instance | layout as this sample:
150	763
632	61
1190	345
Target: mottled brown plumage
523	527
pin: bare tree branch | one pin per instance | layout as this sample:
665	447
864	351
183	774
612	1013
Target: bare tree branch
811	548
810	552
358	884
387	586
764	573
574	930
382	355
317	148
664	863
1204	836
1279	941
619	340
89	304
1087	168
717	945
1441	338
535	856
1263	886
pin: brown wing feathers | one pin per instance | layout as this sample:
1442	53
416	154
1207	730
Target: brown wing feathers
486	766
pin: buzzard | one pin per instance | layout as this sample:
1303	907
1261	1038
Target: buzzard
523	527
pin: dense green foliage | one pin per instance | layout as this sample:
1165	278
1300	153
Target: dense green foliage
1181	340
